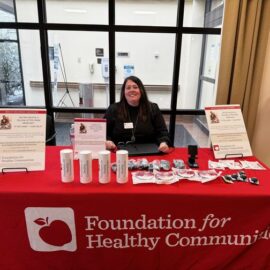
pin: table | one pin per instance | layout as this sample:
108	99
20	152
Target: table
46	224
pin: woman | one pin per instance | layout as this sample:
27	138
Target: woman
135	119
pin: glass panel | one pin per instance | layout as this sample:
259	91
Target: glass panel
191	129
189	77
77	12
15	89
11	91
203	13
27	10
216	3
32	67
208	94
212	51
149	57
209	73
16	62
189	71
63	123
7	11
76	69
153	13
8	35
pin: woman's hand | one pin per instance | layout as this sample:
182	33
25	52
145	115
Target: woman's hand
163	147
110	145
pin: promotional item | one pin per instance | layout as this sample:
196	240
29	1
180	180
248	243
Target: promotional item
104	164
85	158
23	139
122	166
67	168
227	131
90	135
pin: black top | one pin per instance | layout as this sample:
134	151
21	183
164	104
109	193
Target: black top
152	130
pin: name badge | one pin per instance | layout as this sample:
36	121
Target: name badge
128	125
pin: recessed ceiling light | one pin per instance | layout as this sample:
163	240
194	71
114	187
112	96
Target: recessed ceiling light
144	12
76	10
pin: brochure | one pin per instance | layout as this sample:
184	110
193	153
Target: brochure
22	139
227	131
90	134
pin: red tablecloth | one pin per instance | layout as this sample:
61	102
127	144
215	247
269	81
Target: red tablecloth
187	225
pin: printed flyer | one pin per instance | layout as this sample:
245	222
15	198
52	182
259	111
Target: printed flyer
22	139
90	134
227	131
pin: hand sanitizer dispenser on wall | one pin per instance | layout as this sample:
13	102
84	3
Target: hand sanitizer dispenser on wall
105	67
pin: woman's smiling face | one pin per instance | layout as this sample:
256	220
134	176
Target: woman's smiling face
132	93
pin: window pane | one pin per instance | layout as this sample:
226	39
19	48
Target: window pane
76	70
63	122
77	12
149	57
190	130
27	10
199	60
32	67
189	71
208	94
153	13
203	13
11	91
8	35
19	66
212	50
7	11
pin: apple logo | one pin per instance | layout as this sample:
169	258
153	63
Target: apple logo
216	147
56	233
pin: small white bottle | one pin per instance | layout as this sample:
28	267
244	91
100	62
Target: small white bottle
104	164
85	158
121	166
67	168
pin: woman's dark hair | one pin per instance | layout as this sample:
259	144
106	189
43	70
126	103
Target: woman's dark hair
144	105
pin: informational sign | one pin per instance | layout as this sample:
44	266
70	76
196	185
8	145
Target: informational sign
128	70
227	131
99	52
22	139
90	134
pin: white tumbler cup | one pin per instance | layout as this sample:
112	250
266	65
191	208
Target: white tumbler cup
104	164
121	166
85	158
67	169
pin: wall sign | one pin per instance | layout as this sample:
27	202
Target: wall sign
99	52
